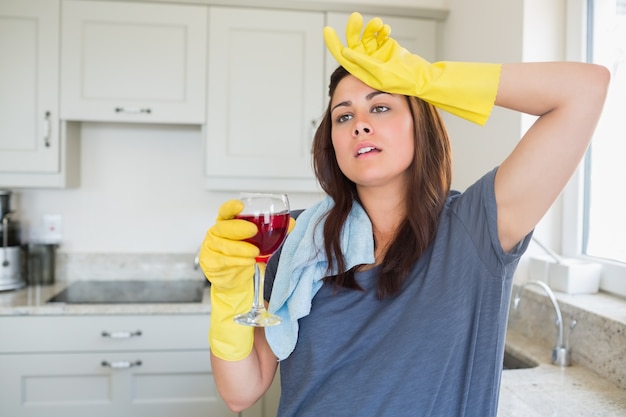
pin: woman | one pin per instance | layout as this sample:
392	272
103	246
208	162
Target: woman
416	327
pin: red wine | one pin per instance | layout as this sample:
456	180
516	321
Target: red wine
272	232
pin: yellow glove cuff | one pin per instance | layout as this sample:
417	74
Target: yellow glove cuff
466	89
228	340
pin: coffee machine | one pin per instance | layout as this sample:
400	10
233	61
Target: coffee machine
12	252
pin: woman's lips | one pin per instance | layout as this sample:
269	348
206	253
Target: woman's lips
364	150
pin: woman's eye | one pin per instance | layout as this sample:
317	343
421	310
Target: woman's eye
379	109
344	118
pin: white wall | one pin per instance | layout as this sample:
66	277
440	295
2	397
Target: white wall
501	31
544	40
488	31
142	191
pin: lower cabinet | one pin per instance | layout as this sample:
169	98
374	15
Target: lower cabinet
130	365
108	384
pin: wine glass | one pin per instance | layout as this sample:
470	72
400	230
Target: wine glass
270	213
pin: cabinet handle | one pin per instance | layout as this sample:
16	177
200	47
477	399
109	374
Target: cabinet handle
314	126
121	335
120	364
46	129
133	110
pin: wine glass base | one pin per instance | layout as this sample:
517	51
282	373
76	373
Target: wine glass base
258	318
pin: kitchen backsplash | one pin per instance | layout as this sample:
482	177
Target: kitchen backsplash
125	266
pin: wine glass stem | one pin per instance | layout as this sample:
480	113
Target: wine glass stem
259	282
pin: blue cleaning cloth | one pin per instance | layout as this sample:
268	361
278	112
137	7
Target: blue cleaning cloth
303	264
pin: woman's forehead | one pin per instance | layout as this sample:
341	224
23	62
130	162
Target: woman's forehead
351	88
349	84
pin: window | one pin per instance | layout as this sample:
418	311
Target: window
600	221
604	233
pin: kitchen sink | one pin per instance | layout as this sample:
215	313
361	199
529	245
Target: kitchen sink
131	292
514	360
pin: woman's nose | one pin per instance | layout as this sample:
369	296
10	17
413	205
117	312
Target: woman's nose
361	128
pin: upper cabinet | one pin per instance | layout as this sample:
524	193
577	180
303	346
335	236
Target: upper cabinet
33	147
29	136
255	79
133	62
266	94
267	80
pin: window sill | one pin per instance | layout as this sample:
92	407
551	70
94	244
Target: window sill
606	306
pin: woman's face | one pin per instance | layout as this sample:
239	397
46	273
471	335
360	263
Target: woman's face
372	134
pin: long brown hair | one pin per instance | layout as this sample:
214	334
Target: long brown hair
428	186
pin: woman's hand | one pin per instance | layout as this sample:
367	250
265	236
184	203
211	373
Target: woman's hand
467	90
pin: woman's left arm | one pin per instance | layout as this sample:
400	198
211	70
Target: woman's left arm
568	98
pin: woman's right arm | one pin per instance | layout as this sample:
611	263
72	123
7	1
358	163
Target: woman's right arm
241	383
242	361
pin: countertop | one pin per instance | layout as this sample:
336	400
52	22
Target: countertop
32	300
543	391
552	391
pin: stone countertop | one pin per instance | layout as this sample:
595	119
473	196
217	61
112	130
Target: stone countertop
543	391
32	300
552	391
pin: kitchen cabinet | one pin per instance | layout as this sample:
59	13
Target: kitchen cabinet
266	95
155	365
268	77
36	149
133	62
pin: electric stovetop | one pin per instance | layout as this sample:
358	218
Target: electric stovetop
131	292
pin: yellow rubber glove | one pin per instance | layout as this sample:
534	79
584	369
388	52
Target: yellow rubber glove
228	263
465	89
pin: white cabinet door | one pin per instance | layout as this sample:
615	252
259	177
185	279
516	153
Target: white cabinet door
133	62
105	333
128	365
158	384
265	97
419	36
29	129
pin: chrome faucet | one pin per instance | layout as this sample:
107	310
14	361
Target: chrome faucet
561	353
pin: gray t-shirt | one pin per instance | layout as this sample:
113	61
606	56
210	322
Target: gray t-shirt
436	349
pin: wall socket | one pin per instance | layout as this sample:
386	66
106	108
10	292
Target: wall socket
52	228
